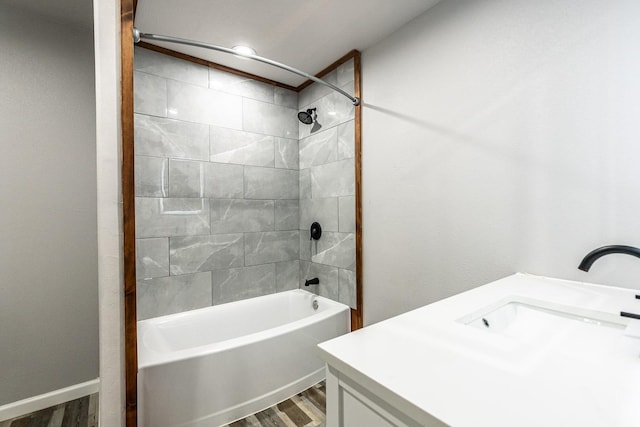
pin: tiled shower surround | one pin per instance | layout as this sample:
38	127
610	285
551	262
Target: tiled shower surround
327	187
223	204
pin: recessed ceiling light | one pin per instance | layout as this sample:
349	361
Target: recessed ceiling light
244	51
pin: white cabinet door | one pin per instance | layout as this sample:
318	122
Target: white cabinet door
350	404
356	414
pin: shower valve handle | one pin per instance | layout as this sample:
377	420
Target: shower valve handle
315	232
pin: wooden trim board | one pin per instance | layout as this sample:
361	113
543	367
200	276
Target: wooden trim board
352	54
200	61
357	321
128	215
214	65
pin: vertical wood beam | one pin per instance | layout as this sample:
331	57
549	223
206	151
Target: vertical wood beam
357	317
128	215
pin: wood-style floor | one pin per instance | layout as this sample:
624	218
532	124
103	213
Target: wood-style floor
81	412
306	409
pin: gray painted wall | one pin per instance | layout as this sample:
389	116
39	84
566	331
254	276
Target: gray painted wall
48	252
499	137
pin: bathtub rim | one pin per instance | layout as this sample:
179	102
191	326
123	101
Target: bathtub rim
150	358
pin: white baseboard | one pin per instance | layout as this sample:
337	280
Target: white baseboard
43	401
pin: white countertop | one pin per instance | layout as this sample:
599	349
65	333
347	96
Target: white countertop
428	361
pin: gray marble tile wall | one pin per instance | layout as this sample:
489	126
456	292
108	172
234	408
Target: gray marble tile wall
327	188
217	186
228	183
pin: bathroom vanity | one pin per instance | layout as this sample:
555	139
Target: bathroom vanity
521	351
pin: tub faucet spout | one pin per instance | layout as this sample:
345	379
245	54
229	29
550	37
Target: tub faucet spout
314	281
592	256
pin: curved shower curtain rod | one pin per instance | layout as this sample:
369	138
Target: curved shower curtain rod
137	36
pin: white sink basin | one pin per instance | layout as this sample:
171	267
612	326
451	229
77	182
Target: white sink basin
520	319
547	326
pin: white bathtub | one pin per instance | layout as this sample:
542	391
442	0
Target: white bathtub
215	365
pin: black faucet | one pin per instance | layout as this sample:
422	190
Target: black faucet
592	256
314	281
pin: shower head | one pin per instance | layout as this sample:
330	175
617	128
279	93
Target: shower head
307	117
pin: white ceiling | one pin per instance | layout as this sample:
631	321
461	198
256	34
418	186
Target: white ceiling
305	34
73	12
